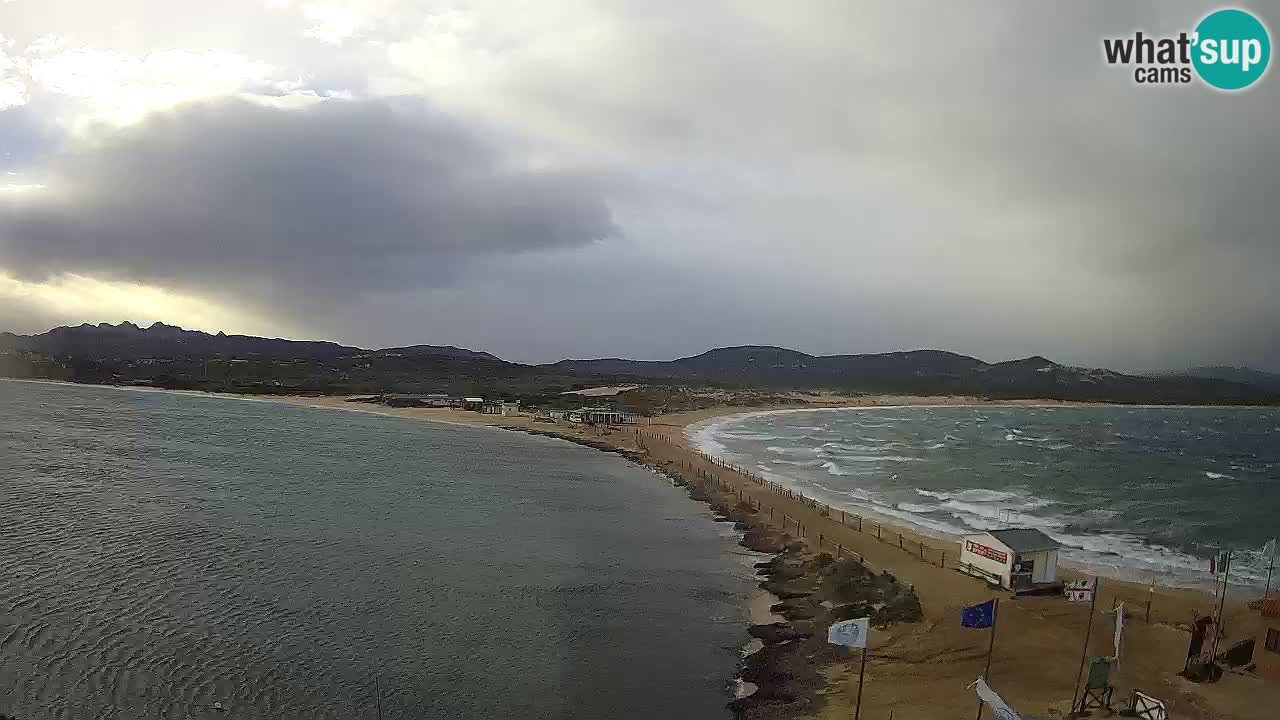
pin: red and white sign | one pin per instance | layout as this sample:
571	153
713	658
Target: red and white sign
986	552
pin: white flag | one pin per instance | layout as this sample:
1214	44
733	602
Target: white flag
999	710
850	633
1119	629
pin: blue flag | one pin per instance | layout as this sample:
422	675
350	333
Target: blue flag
982	615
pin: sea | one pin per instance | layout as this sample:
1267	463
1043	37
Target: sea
190	556
1140	493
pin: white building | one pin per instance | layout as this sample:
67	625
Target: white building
503	408
606	416
1017	559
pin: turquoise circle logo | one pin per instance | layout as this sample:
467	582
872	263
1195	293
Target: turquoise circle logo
1232	49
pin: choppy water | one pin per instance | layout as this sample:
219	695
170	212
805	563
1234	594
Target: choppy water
162	552
1133	491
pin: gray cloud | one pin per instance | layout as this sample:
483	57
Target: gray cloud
833	176
332	198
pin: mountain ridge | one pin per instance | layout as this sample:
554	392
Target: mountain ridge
129	353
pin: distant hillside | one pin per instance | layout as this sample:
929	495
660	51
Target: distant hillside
1237	374
169	356
127	340
442	350
926	372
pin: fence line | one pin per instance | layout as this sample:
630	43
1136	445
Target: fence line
853	521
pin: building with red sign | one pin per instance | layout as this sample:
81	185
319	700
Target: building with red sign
1018	559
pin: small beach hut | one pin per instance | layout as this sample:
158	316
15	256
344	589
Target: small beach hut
1017	559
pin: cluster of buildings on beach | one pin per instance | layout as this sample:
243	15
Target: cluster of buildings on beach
510	408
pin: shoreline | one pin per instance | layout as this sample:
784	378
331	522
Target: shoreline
925	668
924	530
916	669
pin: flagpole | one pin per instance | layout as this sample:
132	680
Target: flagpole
862	671
1270	567
1084	651
995	616
1222	604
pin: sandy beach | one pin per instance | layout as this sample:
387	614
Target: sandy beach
922	670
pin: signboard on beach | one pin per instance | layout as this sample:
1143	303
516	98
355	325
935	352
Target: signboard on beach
1079	591
989	553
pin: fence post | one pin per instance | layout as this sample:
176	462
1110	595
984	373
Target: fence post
921	549
842	517
877	531
944	560
899	541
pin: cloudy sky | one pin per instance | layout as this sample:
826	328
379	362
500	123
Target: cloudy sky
637	178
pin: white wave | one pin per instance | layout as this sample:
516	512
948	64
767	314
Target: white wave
986	517
971	495
834	469
703	435
879	458
798	463
844	447
792	450
745	435
936	446
1118	554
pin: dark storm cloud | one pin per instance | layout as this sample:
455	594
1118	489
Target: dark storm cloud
315	201
837	177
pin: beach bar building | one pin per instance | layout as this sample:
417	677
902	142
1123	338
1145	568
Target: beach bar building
606	416
1017	559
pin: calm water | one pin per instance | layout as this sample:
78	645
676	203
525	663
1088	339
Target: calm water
1133	491
163	552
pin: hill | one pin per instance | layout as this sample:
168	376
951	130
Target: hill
926	372
169	356
1246	375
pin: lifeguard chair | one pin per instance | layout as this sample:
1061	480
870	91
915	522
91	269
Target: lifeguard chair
1097	687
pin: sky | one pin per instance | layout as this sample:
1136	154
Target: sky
638	178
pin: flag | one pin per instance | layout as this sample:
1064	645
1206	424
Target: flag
1120	617
982	615
849	633
999	710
